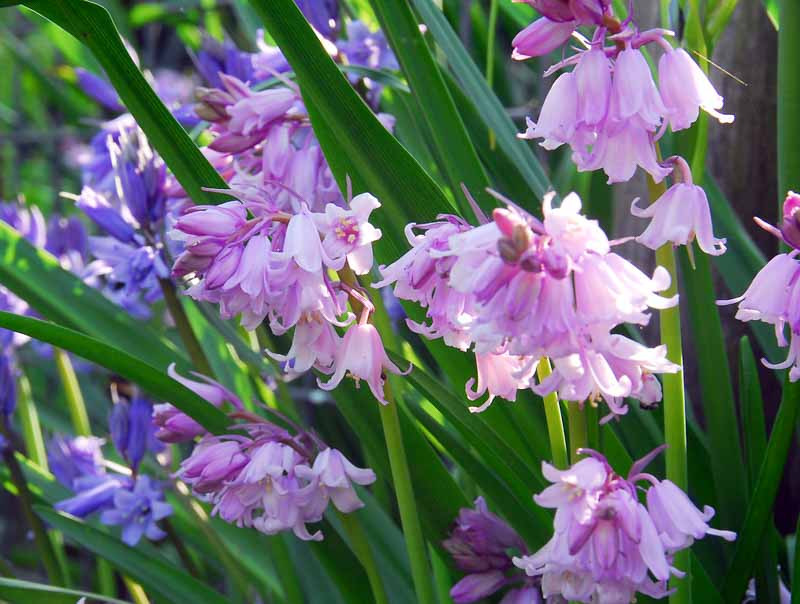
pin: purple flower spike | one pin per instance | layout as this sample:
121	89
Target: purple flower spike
97	207
133	430
138	510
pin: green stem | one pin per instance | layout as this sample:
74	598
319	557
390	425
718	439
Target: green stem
193	347
72	391
105	578
40	537
490	48
135	591
361	548
674	400
578	433
788	101
555	423
412	530
31	428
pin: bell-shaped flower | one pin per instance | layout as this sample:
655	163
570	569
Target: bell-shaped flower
501	375
541	37
347	232
559	115
213	462
634	93
138	511
363	356
619	149
314	344
593	86
477	586
333	472
678	216
303	245
677	519
685	89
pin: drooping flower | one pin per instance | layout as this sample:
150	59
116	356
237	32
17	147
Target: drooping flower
138	511
501	375
685	89
73	458
334	473
133	430
774	298
541	37
790	225
271	480
608	546
362	356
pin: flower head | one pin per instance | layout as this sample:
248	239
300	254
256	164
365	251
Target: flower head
73	458
607	545
362	355
138	510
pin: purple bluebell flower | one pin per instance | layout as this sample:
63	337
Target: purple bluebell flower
66	235
99	89
322	14
366	48
73	458
215	58
138	510
92	493
482	546
132	429
111	219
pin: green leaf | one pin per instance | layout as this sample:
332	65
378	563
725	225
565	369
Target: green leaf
153	380
755	444
716	385
488	105
457	156
759	511
353	140
36	276
14	590
91	23
155	575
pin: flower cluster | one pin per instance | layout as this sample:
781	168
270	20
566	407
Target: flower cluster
482	546
518	289
607	545
136	502
610	111
774	295
271	480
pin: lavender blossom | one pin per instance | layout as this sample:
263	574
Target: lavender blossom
138	510
322	14
607	546
71	459
272	481
133	431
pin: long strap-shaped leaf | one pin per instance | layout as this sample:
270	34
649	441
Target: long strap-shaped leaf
15	590
36	276
458	158
91	24
759	511
355	143
158	577
151	379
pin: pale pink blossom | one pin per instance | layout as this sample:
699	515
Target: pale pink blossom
679	216
685	89
501	375
347	232
541	37
362	356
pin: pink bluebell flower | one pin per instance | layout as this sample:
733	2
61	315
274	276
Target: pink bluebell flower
607	546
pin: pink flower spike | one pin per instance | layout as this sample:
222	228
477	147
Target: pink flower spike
362	355
678	216
541	37
685	89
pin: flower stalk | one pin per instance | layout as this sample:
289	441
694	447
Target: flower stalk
360	545
193	347
674	398
578	430
555	423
